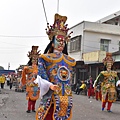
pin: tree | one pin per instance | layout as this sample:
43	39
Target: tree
1	68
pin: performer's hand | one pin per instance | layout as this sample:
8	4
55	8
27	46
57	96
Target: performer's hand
95	88
53	87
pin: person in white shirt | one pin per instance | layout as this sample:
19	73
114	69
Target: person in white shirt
8	80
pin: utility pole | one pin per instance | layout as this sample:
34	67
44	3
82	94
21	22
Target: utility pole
8	66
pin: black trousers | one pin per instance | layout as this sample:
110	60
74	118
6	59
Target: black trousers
10	85
79	90
2	85
7	83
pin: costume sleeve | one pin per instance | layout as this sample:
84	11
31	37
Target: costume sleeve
43	84
116	80
42	69
23	79
98	79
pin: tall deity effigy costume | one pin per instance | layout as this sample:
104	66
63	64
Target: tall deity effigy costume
56	67
29	74
108	78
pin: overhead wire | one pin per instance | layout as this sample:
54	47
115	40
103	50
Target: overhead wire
13	44
30	36
16	36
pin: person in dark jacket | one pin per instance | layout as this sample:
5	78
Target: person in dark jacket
11	81
77	87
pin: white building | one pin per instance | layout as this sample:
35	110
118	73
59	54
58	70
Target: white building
102	35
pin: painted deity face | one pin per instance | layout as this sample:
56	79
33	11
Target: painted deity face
109	65
108	61
59	42
34	63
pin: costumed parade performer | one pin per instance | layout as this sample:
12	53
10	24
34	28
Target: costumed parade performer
29	74
108	78
55	69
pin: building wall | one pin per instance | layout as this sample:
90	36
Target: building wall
92	41
102	28
92	33
111	19
116	57
96	56
77	30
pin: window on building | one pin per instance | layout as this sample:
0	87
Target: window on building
116	23
75	44
104	45
119	45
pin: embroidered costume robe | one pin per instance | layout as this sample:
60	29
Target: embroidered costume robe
28	76
108	85
56	68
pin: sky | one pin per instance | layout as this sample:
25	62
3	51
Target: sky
23	23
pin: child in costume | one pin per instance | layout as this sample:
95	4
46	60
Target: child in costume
29	74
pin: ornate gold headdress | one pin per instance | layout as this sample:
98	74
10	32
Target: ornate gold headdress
34	54
108	58
59	27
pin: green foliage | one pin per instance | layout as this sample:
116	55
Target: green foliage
1	68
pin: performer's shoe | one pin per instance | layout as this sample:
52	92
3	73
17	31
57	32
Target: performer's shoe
109	111
33	111
102	109
28	111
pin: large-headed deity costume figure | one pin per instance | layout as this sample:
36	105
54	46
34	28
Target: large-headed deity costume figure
29	74
56	67
108	79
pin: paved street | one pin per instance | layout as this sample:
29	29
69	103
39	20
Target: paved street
84	109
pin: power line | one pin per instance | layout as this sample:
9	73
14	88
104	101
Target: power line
16	36
13	44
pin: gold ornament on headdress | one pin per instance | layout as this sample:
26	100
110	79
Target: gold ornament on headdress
59	27
34	54
108	59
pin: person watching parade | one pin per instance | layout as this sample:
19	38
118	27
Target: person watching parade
2	81
55	69
82	87
90	89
